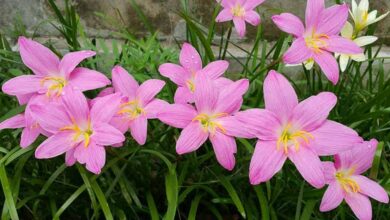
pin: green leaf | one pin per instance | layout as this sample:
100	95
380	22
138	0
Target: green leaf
233	195
9	200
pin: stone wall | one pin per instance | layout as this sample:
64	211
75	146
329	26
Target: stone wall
162	14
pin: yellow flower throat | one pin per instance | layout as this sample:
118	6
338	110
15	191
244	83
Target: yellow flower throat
290	137
316	42
238	11
54	85
132	109
208	122
78	132
347	183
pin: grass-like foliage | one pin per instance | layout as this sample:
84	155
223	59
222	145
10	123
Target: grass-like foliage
153	181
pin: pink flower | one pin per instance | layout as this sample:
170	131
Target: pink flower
190	66
240	11
138	103
345	181
320	38
51	76
79	131
298	131
211	118
31	128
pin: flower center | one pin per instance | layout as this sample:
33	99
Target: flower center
362	22
191	85
208	122
54	85
131	109
316	42
79	133
290	137
238	11
347	183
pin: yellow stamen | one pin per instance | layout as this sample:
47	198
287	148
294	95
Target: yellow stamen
132	109
346	182
288	137
54	85
79	132
238	11
209	124
316	41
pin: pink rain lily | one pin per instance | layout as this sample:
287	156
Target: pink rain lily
31	128
240	11
51	76
211	118
320	38
79	131
346	182
138	103
190	66
298	131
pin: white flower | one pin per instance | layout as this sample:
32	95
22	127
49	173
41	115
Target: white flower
361	16
347	32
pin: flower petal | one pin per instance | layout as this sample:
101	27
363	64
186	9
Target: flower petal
206	94
190	58
215	69
313	111
76	104
175	73
298	52
55	145
234	127
191	138
51	117
365	40
230	98
224	147
328	65
332	19
105	134
266	162
329	171
252	4
313	9
360	205
72	59
149	89
289	23
154	107
309	166
70	160
279	96
332	198
22	85
94	156
139	129
183	96
29	135
105	108
239	24
178	115
372	189
342	45
252	18
124	82
224	15
121	123
85	79
332	138
40	59
17	121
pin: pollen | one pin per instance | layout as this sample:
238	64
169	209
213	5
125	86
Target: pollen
238	11
290	137
54	85
132	109
209	122
347	183
316	42
80	134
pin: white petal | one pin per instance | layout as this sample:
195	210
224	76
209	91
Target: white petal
347	31
381	17
371	17
366	40
309	64
359	57
344	59
364	5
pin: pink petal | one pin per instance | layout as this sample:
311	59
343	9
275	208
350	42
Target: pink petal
230	97
71	60
372	189
76	104
149	89
22	85
178	115
23	99
309	166
206	94
224	15
106	91
342	45
235	128
266	162
191	138
139	129
70	160
222	82
329	171
279	96
225	3
252	18
239	24
85	79
289	23
94	156
51	118
333	197
313	111
29	135
332	137
298	52
260	123
313	9
41	60
183	96
14	122
124	82
360	205
215	69
55	145
105	134
120	123
252	4
105	108
332	19
328	65
154	108
224	147
190	58
175	73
